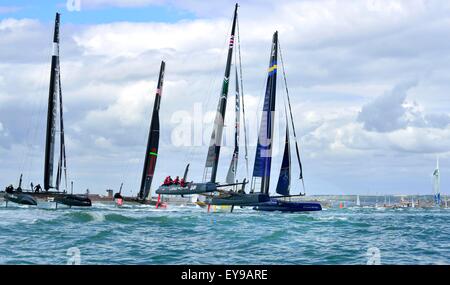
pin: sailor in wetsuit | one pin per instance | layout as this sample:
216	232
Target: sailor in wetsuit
9	189
37	188
168	181
182	182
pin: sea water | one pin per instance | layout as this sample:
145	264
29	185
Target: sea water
140	234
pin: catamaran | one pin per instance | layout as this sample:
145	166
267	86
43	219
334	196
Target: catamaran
52	185
151	153
209	184
263	159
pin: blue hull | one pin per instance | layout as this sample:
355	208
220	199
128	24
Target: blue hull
286	206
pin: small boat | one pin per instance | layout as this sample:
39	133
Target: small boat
288	206
437	184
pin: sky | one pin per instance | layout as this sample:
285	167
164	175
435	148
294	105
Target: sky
368	80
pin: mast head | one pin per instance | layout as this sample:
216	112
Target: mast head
56	34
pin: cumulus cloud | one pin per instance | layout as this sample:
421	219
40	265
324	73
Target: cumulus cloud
392	111
339	56
387	112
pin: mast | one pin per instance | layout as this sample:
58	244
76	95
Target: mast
51	113
151	153
212	159
263	157
231	176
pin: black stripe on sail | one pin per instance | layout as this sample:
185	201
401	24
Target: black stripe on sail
151	153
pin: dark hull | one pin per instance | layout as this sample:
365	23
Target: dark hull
138	201
41	195
74	201
286	206
239	199
191	188
20	198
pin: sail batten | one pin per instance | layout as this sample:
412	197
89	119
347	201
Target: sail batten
151	153
212	158
263	157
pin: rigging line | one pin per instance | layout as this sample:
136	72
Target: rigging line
62	135
188	155
208	171
242	98
292	118
26	160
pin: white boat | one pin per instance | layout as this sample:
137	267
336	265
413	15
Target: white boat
436	184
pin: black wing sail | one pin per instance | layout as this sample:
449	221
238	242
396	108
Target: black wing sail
52	111
212	159
284	179
151	153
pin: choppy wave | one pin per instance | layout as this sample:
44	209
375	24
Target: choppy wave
139	234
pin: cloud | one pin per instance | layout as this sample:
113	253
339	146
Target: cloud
339	57
391	111
387	112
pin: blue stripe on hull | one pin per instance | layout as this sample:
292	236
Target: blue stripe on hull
285	206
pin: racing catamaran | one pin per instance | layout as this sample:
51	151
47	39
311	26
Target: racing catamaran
151	153
209	183
52	185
